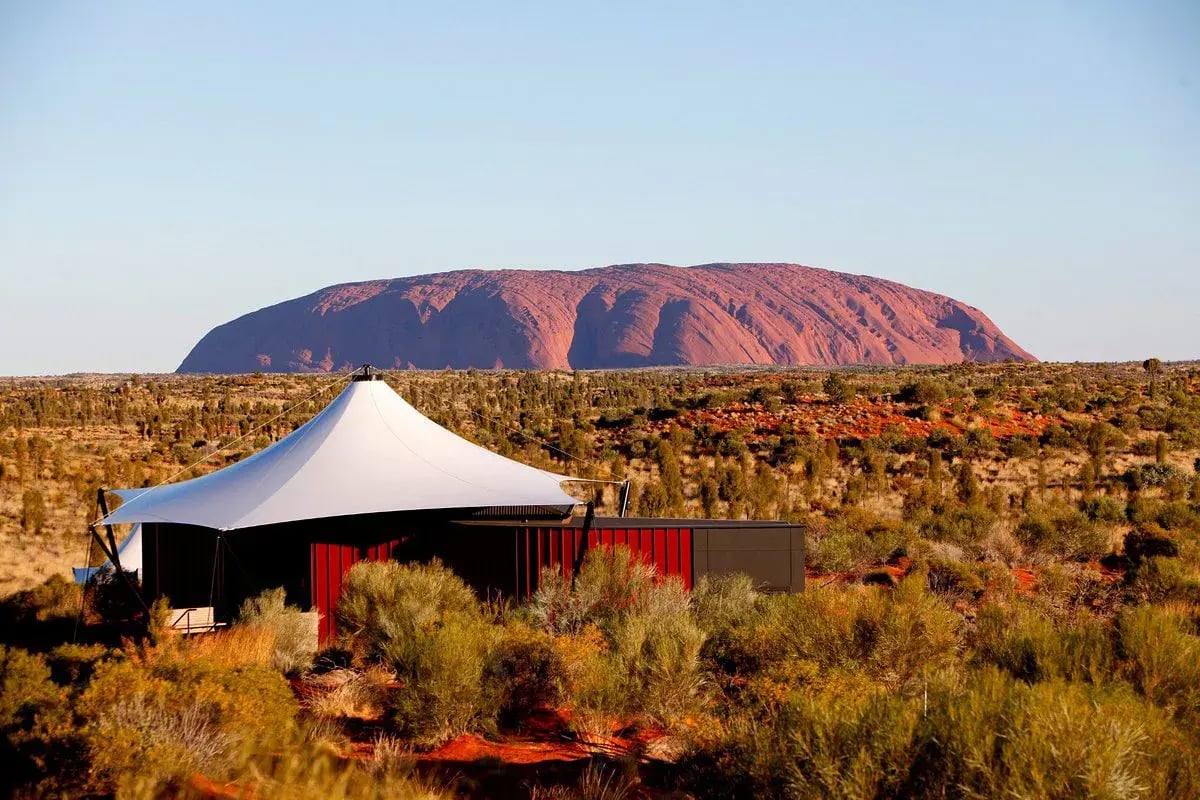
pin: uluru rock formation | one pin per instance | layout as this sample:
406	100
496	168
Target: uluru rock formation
631	315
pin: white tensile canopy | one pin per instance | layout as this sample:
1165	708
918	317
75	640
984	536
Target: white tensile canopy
367	452
129	553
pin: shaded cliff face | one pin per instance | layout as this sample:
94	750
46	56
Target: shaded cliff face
632	315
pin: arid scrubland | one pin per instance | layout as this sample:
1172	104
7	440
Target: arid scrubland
1004	597
810	445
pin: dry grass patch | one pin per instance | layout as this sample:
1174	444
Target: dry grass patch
233	647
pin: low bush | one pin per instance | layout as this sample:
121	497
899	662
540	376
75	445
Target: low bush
897	636
527	671
850	747
73	664
25	687
986	736
1147	475
651	639
441	667
1065	533
851	540
1105	508
166	717
426	624
724	602
966	526
953	580
381	601
610	583
54	599
1159	579
1024	642
657	649
1000	738
908	635
1148	541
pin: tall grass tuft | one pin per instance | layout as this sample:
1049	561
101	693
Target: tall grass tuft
295	632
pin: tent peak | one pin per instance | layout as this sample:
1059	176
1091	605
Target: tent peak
366	373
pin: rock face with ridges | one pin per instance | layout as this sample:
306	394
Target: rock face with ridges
631	315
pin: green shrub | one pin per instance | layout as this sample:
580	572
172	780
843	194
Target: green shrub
73	664
658	649
1066	533
838	389
442	669
723	602
850	747
295	631
1162	657
167	717
962	525
55	599
1000	738
610	583
381	601
1105	508
527	671
1020	446
1147	475
652	640
1025	642
953	580
898	636
987	735
426	623
1017	639
908	634
740	758
851	540
924	391
25	687
1161	578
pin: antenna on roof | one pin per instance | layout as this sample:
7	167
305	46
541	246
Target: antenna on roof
367	373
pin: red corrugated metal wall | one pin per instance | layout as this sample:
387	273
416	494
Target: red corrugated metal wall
669	549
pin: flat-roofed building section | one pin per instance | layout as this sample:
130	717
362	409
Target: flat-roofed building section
772	555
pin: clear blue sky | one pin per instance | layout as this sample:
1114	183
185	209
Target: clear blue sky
165	167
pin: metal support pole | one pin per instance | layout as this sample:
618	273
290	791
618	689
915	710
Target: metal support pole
588	519
112	540
624	498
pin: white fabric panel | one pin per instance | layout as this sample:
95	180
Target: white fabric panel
368	451
129	551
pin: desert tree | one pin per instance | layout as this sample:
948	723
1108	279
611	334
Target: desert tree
1153	368
1087	479
966	484
670	475
710	498
838	389
33	511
